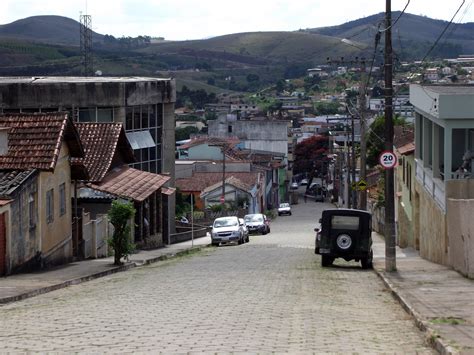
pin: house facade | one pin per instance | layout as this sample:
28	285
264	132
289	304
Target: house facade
443	188
145	107
37	172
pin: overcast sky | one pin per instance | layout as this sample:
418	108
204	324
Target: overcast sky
195	19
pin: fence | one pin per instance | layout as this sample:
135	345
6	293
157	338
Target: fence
95	233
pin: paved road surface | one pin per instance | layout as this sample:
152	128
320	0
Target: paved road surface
269	295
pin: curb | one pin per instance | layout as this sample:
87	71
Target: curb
432	337
97	275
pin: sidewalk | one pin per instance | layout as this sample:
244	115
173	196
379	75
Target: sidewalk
440	299
21	286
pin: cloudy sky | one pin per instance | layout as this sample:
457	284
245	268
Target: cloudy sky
195	19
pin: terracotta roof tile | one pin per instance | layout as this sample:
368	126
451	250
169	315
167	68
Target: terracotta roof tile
231	141
130	183
34	140
403	135
10	180
200	181
101	142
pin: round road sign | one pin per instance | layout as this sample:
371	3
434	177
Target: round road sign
388	159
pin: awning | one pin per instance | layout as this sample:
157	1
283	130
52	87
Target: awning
130	183
140	139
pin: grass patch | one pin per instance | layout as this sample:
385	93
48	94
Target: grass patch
448	320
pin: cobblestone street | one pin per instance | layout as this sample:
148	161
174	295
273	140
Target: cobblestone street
270	295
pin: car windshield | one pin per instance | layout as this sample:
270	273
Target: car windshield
253	218
226	222
345	222
283	205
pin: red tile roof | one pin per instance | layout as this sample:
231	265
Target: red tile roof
200	181
407	148
130	183
102	141
34	140
403	135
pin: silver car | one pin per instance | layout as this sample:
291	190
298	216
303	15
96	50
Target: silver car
228	230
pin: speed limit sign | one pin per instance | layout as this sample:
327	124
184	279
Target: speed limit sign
388	159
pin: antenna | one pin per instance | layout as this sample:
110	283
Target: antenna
86	43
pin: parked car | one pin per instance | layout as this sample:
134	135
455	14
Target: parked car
294	185
227	230
318	192
258	223
246	230
347	234
284	208
304	182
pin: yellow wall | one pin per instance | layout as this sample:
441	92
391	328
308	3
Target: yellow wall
60	229
432	228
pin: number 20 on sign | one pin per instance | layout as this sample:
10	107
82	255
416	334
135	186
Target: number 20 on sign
388	160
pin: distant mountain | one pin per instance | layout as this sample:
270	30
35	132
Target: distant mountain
45	29
48	45
412	34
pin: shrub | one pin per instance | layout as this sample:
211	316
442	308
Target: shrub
119	216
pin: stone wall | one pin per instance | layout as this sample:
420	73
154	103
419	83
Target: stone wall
432	232
461	235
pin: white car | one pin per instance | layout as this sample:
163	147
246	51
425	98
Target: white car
304	182
294	185
284	208
228	230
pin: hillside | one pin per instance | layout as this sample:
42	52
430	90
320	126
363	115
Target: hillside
48	45
45	29
411	32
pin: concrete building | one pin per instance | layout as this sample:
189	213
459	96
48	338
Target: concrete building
144	105
443	202
261	135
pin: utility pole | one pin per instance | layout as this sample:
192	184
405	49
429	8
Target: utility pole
363	135
390	251
354	166
223	174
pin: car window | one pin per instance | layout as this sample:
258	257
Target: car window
254	218
285	205
225	222
345	222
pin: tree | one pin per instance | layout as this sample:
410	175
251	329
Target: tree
311	155
376	138
327	108
185	132
119	215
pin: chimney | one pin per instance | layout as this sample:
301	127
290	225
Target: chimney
4	140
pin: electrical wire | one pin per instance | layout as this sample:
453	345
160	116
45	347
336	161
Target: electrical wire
398	18
442	33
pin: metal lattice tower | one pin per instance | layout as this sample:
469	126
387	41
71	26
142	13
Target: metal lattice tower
86	44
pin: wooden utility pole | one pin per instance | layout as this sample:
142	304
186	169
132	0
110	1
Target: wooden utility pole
390	251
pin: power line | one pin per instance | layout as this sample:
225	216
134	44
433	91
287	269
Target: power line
442	33
398	18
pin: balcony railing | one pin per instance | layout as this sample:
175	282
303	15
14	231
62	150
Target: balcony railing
434	186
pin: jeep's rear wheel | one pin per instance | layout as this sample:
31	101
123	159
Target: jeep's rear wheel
326	260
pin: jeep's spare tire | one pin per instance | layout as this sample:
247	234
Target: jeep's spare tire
344	241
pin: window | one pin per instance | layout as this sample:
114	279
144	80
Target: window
32	210
345	222
50	206
62	199
229	129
